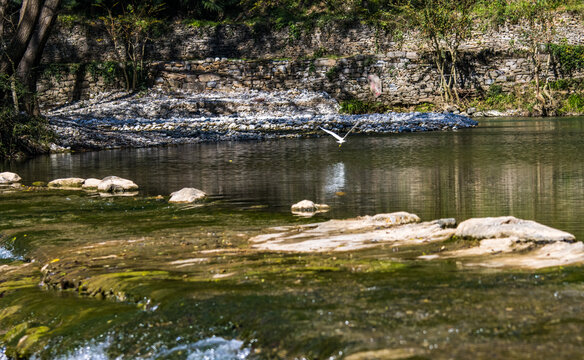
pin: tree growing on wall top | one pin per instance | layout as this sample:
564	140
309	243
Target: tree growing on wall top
536	20
130	27
444	24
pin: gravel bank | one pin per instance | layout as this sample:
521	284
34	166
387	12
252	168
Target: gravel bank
114	120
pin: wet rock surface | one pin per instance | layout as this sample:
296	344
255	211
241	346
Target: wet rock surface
187	195
353	234
114	120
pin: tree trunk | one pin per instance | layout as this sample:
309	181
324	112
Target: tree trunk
26	71
3	5
15	50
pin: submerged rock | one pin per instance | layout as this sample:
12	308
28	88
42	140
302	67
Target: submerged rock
67	183
187	195
91	184
9	178
116	184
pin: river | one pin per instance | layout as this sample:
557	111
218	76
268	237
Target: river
363	305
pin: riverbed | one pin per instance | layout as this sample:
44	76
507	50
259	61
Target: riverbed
180	281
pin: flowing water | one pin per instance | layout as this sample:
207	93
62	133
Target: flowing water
229	305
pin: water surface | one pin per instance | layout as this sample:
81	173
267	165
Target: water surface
242	304
528	168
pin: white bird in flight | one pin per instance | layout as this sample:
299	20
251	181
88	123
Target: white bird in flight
340	140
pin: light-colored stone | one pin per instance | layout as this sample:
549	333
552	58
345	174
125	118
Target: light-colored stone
352	234
510	242
116	184
67	183
556	254
308	208
91	184
304	206
9	178
509	226
187	195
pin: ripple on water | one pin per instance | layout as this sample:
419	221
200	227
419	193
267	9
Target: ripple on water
213	348
6	255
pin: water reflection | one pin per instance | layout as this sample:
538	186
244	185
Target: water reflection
335	179
526	168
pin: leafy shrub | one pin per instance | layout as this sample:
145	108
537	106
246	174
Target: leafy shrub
569	58
23	135
574	103
355	107
496	98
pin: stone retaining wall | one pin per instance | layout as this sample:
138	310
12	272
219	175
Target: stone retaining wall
406	70
407	78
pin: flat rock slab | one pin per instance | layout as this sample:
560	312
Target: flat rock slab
510	242
487	242
354	234
67	183
556	254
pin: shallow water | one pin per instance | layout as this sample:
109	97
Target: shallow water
241	304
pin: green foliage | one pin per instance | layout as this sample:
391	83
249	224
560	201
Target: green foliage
496	98
355	107
196	23
569	58
566	84
332	73
294	32
425	107
320	52
109	71
574	104
22	135
68	20
130	28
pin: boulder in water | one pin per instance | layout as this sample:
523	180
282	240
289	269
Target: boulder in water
307	206
510	227
187	195
9	178
67	183
116	184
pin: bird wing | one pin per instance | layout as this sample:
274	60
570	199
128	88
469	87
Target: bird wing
354	126
332	134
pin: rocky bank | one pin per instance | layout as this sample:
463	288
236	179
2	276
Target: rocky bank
119	119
